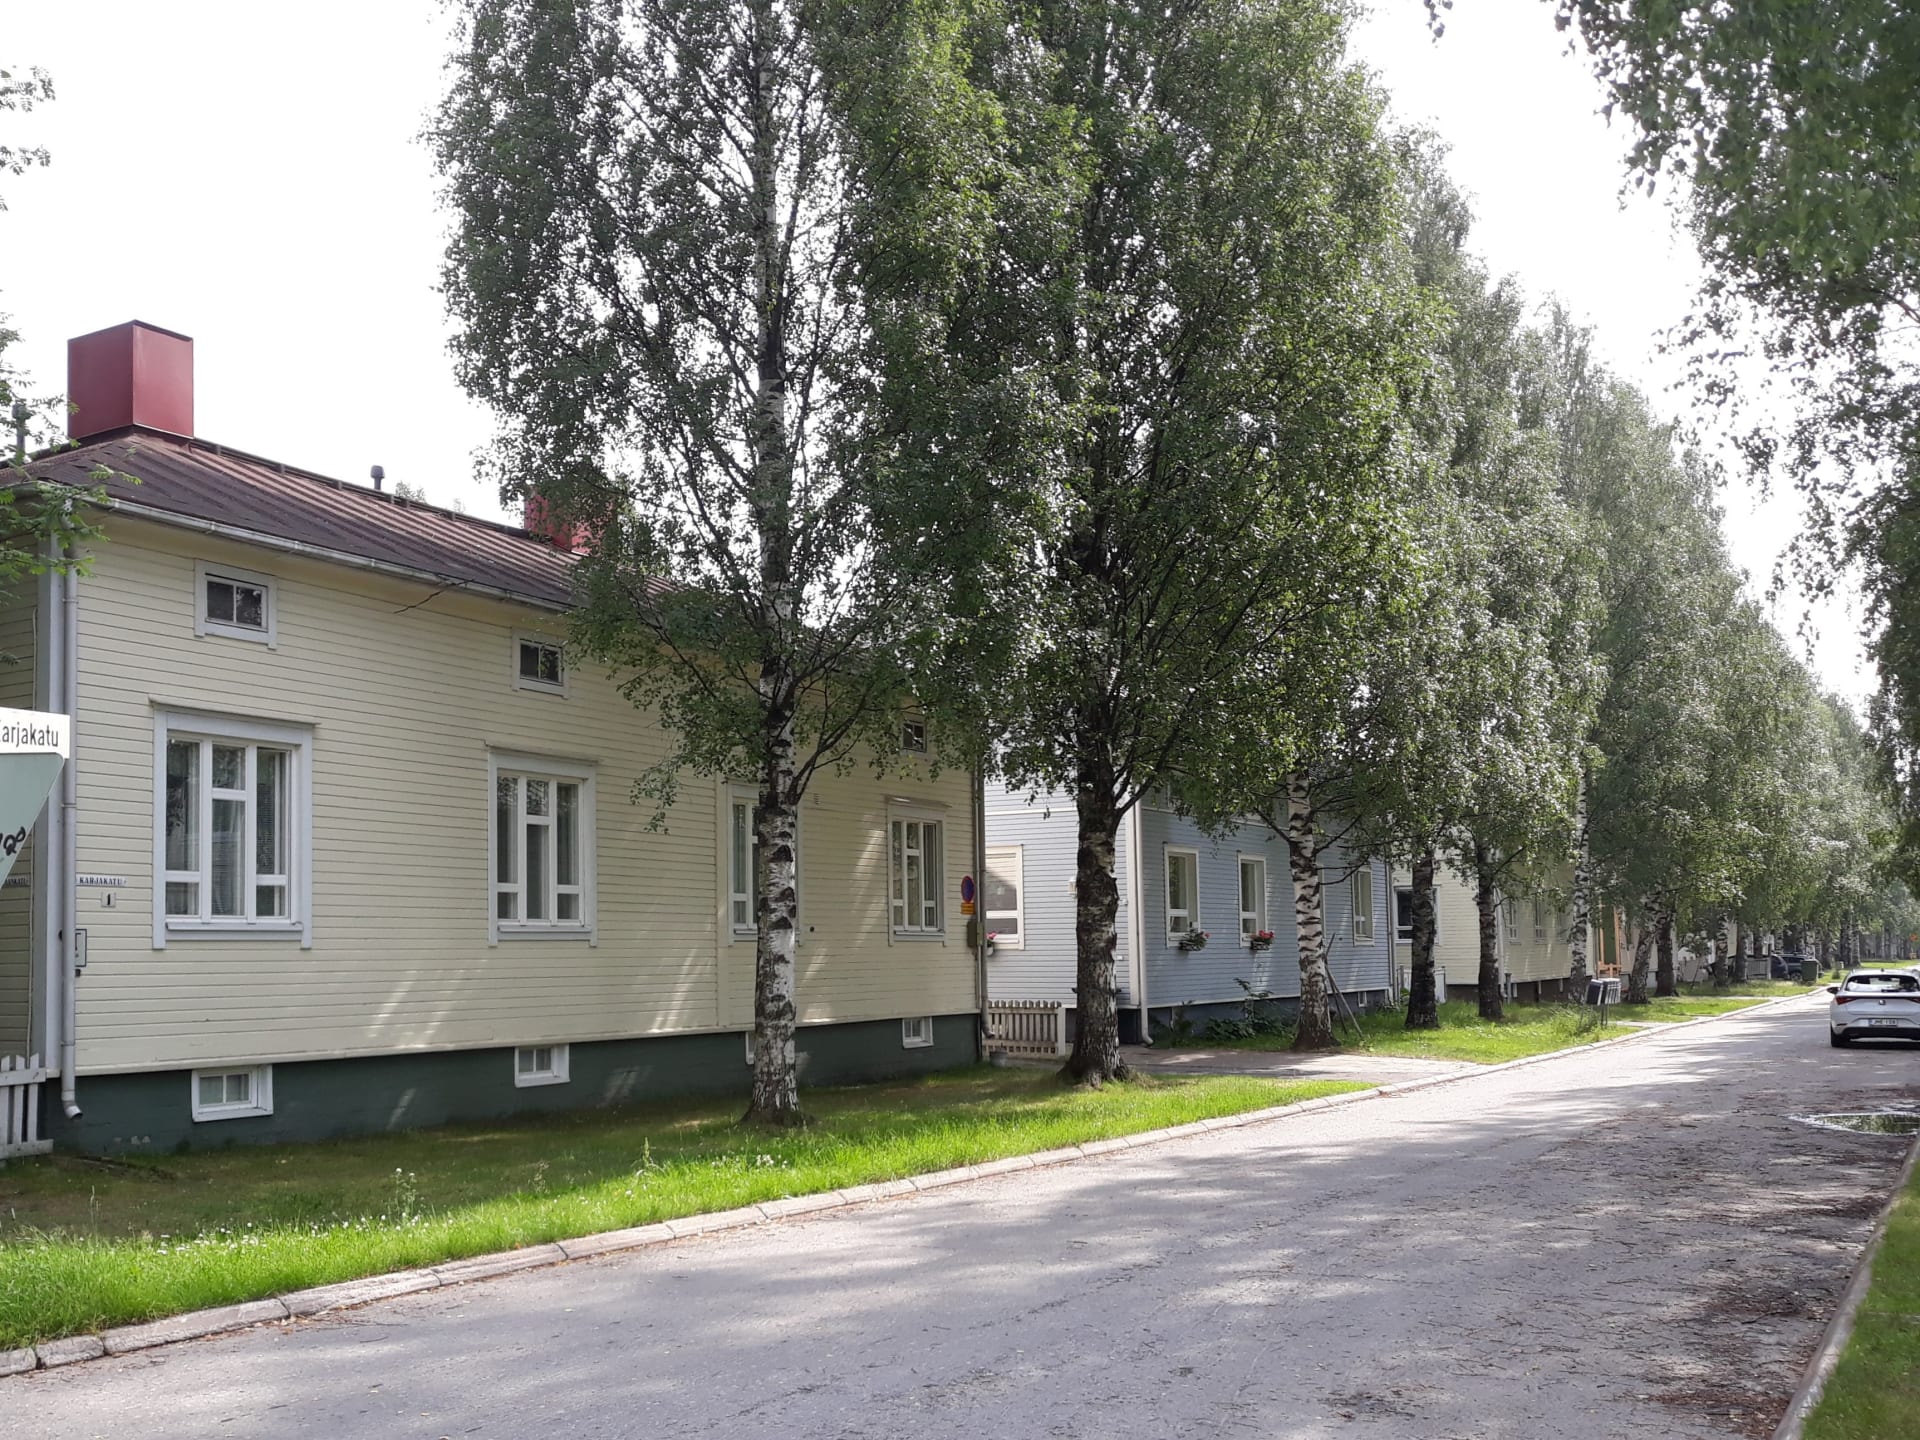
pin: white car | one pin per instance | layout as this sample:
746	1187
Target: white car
1880	1003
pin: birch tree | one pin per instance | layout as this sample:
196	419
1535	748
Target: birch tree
1226	327
675	222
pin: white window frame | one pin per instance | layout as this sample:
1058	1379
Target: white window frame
545	642
1540	920
1407	939
204	624
1186	852
749	934
916	1032
222	729
543	767
1258	917
914	739
556	1071
1362	935
260	1091
1019	913
1510	916
902	813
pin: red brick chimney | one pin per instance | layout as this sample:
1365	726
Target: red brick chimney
131	374
539	520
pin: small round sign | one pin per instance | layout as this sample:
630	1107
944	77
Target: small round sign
966	889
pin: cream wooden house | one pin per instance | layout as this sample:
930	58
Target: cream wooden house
349	846
1532	940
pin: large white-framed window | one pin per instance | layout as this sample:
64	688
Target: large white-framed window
539	1065
539	663
238	604
741	865
1183	891
232	1093
1005	892
232	830
1510	912
1363	905
1539	917
1253	896
916	870
541	847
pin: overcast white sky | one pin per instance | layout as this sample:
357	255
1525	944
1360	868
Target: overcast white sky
251	175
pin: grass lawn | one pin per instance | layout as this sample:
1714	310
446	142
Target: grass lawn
1765	989
1463	1035
89	1244
1875	1391
1691	1007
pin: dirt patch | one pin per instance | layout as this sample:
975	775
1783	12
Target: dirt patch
1366	1405
1741	1411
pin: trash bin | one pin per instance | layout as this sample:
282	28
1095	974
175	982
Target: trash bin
1809	972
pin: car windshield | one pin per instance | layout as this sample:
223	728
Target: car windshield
1897	984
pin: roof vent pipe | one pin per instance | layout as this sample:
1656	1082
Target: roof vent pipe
379	473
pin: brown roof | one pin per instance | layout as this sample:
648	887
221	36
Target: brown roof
202	481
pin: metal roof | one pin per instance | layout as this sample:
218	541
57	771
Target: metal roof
195	480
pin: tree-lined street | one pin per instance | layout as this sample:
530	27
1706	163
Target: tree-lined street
1637	1240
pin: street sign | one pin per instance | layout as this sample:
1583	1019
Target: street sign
33	747
966	894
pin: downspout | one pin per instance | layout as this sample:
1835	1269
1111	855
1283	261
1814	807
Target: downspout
70	846
980	913
1136	933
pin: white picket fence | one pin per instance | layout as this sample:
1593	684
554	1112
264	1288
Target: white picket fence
20	1082
1027	1027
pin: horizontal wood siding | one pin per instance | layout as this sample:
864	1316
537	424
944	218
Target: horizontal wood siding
1045	827
407	691
17	617
1210	975
1201	976
1456	947
1358	965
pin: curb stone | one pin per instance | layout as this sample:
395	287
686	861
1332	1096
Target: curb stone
192	1326
302	1304
70	1351
1833	1341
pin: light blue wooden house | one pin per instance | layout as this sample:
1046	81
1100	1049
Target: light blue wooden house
1174	878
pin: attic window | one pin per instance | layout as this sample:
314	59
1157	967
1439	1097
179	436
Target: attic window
913	736
539	665
234	603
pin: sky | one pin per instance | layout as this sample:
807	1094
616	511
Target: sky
252	175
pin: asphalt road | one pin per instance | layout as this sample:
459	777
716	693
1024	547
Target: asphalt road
1637	1241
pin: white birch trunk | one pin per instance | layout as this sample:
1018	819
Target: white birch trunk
1579	932
1315	1030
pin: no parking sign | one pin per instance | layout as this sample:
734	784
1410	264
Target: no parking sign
966	894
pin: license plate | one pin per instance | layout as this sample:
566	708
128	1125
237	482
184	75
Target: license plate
1883	1022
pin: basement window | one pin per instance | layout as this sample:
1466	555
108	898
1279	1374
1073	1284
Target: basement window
237	604
539	1065
232	1094
917	1033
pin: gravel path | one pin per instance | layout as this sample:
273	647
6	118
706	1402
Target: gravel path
1635	1241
